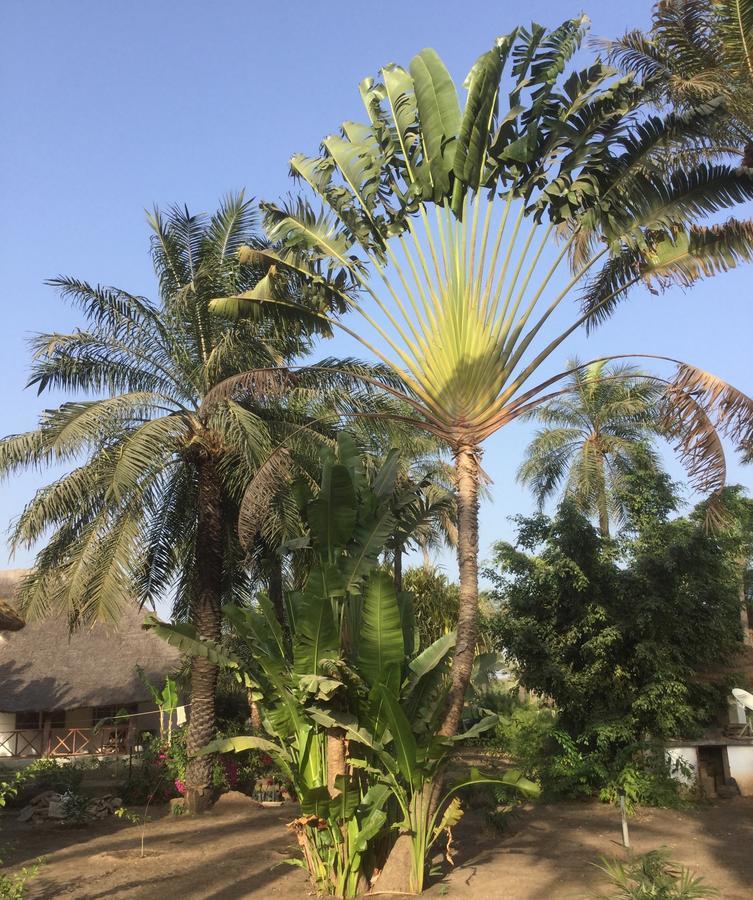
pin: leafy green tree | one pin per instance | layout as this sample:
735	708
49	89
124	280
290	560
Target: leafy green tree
161	453
735	539
618	641
593	436
448	230
435	602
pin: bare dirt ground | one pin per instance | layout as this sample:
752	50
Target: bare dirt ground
231	853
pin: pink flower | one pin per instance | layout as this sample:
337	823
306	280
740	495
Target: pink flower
180	786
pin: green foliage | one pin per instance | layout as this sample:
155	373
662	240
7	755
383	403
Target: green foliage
159	774
351	677
44	774
615	635
653	875
525	735
14	887
435	602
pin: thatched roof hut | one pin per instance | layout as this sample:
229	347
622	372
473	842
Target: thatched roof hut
10	619
43	667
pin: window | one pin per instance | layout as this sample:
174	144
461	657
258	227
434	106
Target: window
56	718
27	720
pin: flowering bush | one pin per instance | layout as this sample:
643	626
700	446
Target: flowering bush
161	774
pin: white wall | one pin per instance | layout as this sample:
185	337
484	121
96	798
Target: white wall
689	756
741	767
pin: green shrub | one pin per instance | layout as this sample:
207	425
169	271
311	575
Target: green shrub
524	735
13	887
653	875
18	786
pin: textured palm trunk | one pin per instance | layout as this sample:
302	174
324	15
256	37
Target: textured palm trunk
744	619
336	758
207	618
602	504
467	471
603	516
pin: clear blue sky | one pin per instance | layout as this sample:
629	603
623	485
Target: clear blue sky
109	107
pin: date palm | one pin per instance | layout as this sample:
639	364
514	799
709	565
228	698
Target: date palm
455	233
697	51
594	436
161	454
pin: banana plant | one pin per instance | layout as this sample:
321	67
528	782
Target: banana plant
350	705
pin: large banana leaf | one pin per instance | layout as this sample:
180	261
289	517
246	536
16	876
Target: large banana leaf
429	658
244	742
370	538
332	516
316	637
404	747
478	115
381	648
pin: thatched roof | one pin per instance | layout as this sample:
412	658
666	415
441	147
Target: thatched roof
43	667
10	620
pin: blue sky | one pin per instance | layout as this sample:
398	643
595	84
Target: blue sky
111	107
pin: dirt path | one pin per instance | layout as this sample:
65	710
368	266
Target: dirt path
230	854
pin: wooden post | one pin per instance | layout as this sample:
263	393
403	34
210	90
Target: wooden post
46	736
623	816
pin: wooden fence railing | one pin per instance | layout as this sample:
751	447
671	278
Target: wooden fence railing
27	742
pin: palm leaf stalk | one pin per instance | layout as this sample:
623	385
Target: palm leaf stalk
455	235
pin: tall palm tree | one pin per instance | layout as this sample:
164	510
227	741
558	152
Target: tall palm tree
161	454
437	218
593	436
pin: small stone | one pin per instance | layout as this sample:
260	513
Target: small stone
26	813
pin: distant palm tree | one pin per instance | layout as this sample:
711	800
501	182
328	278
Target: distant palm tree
593	436
164	452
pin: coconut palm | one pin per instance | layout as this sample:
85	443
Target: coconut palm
450	230
593	436
161	454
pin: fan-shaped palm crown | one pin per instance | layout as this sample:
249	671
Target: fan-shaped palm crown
448	230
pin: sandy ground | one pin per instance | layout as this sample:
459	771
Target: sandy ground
232	853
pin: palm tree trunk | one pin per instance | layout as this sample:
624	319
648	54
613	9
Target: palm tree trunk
744	619
602	502
603	516
207	618
467	471
398	568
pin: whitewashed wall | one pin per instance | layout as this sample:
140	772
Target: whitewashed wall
741	767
